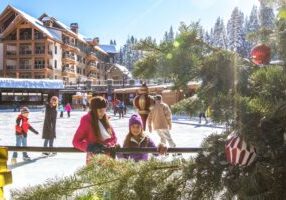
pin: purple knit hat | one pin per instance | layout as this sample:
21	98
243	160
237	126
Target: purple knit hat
135	119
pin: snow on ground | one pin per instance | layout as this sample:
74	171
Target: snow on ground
186	133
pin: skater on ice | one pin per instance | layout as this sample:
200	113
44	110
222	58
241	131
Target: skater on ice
49	128
160	120
68	108
61	110
22	128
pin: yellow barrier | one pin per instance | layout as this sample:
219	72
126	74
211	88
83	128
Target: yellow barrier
5	174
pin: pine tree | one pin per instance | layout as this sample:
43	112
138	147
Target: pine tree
253	23
128	54
111	42
166	36
219	34
171	34
235	33
247	30
114	42
251	28
266	17
207	38
212	37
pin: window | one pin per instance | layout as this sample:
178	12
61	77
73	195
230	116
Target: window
56	49
39	49
39	64
55	64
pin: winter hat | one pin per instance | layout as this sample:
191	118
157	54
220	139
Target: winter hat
158	97
24	110
97	103
135	119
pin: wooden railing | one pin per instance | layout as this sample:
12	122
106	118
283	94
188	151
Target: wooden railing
121	150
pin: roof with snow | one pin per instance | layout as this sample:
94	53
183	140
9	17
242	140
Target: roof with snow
31	83
98	48
67	28
54	34
109	48
123	69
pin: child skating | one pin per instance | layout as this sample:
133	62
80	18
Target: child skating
22	127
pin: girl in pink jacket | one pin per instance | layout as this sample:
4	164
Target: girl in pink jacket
68	108
95	133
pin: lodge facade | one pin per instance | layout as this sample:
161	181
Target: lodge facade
45	48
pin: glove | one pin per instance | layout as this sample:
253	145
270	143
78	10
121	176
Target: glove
96	148
162	149
113	149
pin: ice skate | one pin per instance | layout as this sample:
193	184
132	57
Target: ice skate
26	158
13	161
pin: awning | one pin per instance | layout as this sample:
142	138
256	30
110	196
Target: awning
31	83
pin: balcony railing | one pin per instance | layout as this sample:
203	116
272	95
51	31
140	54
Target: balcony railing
69	56
25	52
39	37
40	51
91	75
11	67
69	43
69	70
92	54
11	53
25	37
42	66
12	38
72	46
25	67
92	64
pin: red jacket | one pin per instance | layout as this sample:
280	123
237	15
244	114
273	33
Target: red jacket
22	125
84	135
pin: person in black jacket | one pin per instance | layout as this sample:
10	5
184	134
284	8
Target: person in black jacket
49	129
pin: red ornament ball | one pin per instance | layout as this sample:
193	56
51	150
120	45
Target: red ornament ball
261	54
238	152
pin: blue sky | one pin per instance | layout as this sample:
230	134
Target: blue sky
118	19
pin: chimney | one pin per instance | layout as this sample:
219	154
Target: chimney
96	41
47	21
74	27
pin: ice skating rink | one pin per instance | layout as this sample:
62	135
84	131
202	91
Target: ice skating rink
39	169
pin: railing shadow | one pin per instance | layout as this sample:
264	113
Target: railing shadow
26	162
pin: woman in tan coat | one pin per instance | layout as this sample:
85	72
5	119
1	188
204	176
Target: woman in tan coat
160	120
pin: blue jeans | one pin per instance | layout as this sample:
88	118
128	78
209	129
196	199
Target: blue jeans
50	141
20	141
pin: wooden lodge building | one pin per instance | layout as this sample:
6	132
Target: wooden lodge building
45	48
